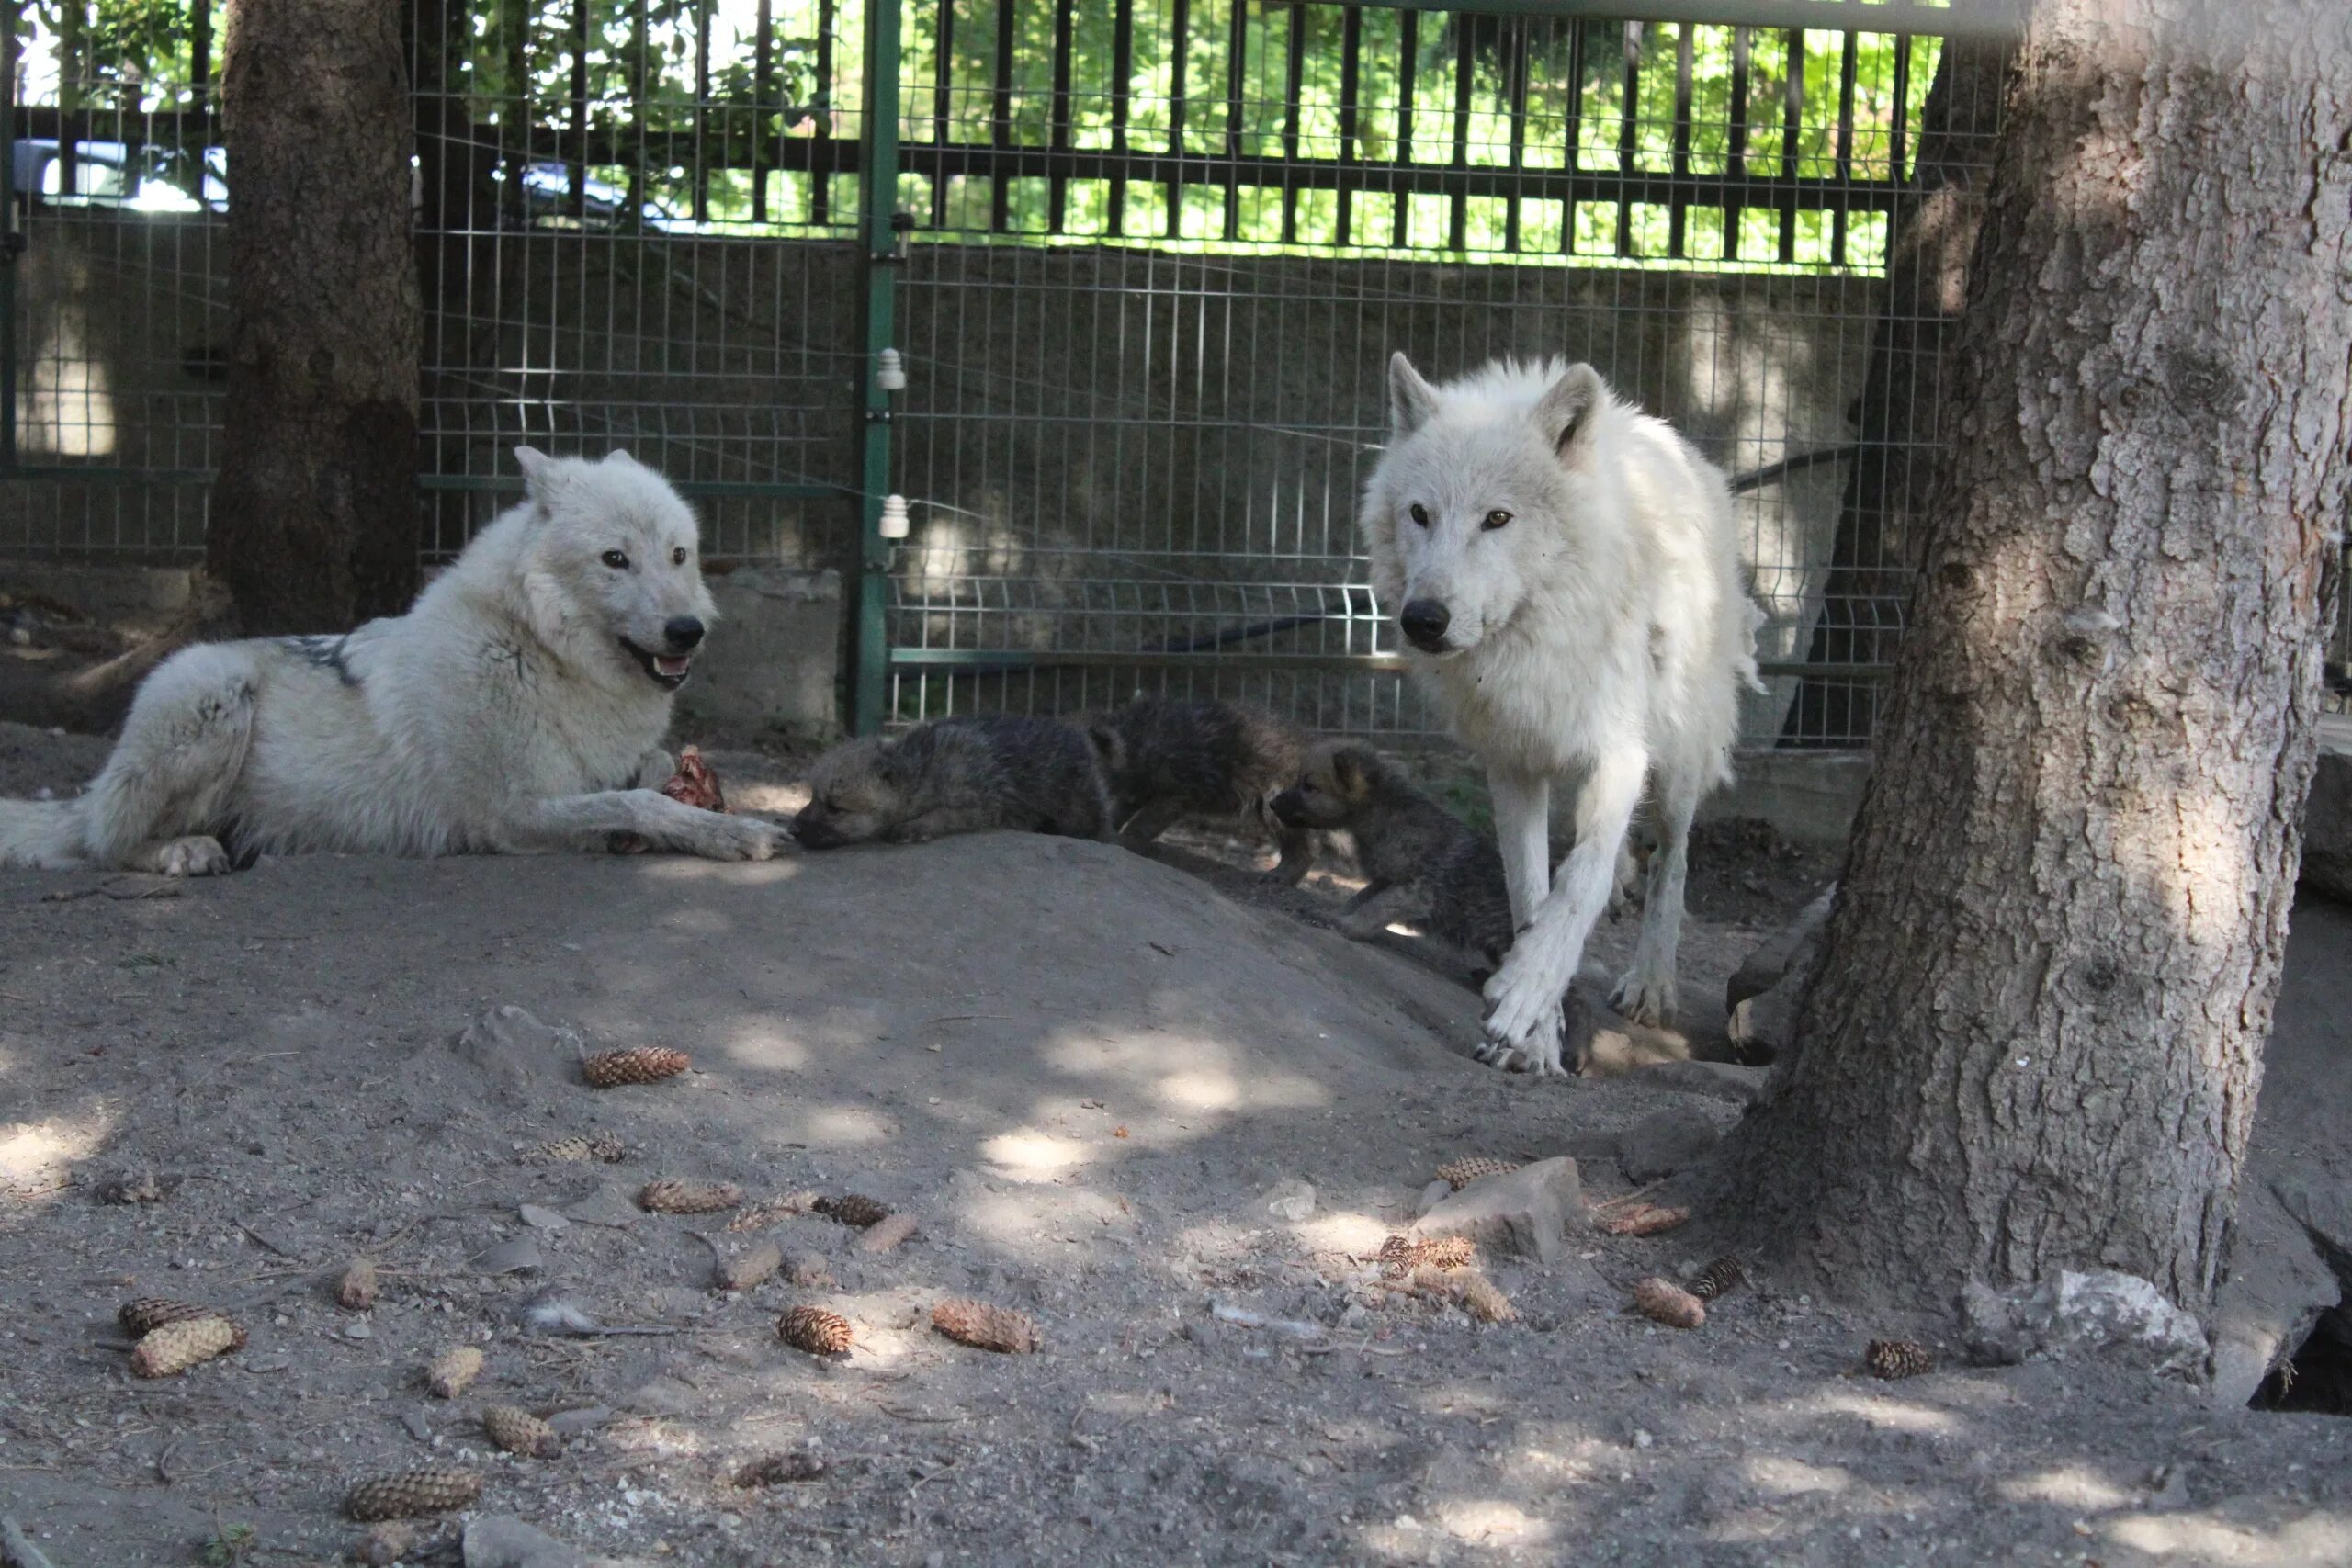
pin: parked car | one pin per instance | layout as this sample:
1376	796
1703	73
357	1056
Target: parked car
139	177
145	178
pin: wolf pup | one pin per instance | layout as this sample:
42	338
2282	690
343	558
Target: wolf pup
956	775
519	705
1565	573
1165	760
1420	862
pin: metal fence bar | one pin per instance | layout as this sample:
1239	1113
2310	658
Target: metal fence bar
880	241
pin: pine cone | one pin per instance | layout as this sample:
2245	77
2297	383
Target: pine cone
810	1270
176	1346
1641	1219
759	1216
385	1545
150	1313
1459	1174
1400	1255
815	1330
1898	1359
414	1492
1481	1298
644	1063
356	1289
600	1146
853	1209
519	1432
1665	1301
1719	1278
673	1197
746	1269
768	1470
452	1370
886	1234
989	1327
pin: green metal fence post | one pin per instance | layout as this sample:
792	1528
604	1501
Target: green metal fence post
881	237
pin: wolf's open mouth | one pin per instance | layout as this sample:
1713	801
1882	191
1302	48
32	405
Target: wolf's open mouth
666	670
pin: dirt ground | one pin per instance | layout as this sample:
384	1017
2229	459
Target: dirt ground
1087	1074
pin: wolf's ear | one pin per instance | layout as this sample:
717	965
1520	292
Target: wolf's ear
539	474
1103	738
618	455
1564	414
1411	400
1351	765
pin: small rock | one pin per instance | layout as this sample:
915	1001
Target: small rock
1665	1142
512	1049
587	1419
1717	1081
608	1206
1436	1192
418	1426
544	1219
508	1256
1293	1200
359	1331
663	1396
492	1540
386	1544
1524	1210
2120	1316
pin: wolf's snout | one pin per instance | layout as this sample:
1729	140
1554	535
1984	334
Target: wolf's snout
1424	622
682	632
1288	809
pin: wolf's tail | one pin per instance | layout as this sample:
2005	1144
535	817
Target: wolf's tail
43	834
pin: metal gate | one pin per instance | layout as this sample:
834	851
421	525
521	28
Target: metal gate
1140	263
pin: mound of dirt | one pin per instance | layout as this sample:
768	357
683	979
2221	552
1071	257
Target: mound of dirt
1172	1125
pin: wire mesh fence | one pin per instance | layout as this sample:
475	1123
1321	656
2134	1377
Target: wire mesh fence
1154	255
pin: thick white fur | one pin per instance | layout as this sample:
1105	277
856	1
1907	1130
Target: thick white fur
501	715
1597	638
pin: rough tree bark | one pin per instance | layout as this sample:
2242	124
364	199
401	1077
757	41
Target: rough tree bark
314	513
2034	1038
1898	417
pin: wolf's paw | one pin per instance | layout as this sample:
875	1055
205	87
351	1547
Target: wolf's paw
199	856
906	834
1525	1027
1644	998
743	838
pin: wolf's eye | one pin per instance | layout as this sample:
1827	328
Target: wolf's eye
1420	514
1496	519
678	555
616	560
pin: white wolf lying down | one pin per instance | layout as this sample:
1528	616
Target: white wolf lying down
519	706
1566	572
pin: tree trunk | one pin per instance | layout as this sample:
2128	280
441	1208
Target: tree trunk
1897	418
314	515
2034	1038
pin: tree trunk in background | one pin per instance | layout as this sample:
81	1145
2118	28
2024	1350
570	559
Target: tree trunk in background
2034	1038
314	515
1875	550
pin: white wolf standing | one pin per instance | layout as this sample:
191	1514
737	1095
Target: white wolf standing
519	705
1567	573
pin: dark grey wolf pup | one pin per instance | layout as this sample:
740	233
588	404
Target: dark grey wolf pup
1165	760
1420	862
956	775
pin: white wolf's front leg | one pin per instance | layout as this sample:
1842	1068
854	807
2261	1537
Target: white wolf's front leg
654	769
583	821
1523	833
1646	993
1527	1021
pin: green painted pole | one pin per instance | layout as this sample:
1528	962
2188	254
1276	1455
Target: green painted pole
881	255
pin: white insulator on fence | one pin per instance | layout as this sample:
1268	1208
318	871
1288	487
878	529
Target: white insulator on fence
893	524
890	371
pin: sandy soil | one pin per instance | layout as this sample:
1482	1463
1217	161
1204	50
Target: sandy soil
1086	1073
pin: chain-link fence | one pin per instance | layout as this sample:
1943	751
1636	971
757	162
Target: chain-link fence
1143	261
